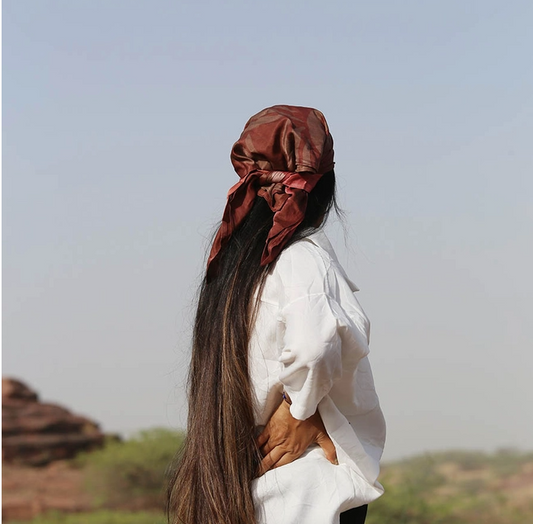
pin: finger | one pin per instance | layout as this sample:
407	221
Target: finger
285	459
272	458
262	439
266	448
328	447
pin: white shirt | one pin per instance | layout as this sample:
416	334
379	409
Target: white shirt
311	339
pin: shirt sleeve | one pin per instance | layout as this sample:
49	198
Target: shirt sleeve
311	354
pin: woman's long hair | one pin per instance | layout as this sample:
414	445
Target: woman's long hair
211	482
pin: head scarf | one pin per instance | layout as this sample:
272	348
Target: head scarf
280	156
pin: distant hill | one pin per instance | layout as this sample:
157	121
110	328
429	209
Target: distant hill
457	487
454	487
36	433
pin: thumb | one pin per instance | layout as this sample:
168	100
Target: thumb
328	447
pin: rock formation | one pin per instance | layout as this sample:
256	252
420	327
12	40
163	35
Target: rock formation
36	433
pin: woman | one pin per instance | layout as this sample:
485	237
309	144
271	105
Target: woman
284	423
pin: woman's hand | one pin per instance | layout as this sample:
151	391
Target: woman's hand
285	438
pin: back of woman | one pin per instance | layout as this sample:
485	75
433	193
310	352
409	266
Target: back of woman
284	422
311	337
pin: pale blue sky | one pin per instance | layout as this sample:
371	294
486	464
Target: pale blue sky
118	121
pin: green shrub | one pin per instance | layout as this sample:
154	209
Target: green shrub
419	491
509	461
408	495
469	460
99	517
132	474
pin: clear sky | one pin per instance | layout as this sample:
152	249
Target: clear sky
118	122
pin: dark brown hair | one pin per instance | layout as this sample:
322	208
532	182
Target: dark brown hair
211	481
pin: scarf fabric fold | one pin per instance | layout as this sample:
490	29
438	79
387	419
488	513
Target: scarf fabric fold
282	153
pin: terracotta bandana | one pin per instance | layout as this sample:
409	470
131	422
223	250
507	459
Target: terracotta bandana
280	156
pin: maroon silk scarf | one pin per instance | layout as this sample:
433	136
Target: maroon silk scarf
280	156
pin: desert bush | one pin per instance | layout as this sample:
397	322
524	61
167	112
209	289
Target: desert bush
472	487
420	474
409	486
99	517
467	460
418	491
132	474
509	461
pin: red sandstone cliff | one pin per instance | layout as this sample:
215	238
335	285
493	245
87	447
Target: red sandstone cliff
36	433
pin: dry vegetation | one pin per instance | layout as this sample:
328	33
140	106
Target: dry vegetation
123	484
457	487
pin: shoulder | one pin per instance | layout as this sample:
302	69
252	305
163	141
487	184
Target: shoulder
305	266
306	252
312	263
